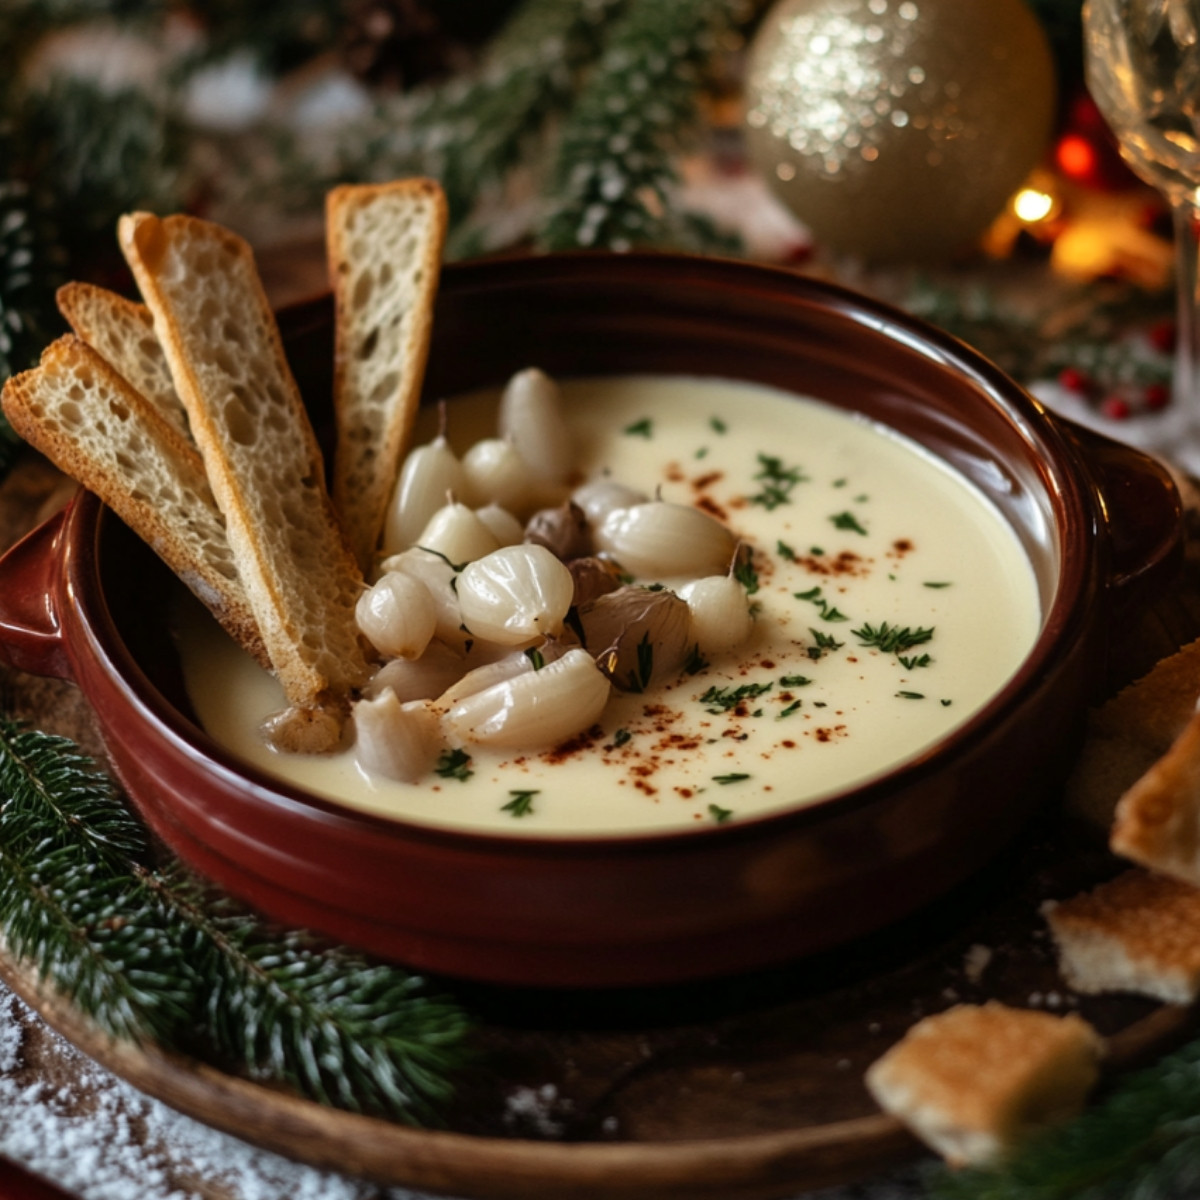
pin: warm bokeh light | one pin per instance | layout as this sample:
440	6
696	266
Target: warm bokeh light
1032	205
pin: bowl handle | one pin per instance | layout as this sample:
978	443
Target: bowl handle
30	632
1142	510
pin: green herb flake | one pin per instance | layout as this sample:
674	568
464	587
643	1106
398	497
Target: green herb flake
732	777
945	703
915	661
701	453
825	642
785	551
847	520
891	639
911	695
521	804
726	699
788	681
777	480
621	737
719	814
717	425
454	764
816	551
536	657
791	708
643	428
932	583
812	594
746	575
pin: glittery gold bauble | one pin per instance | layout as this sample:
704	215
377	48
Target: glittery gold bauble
897	129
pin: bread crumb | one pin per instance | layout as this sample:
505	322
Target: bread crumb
976	961
1139	932
972	1081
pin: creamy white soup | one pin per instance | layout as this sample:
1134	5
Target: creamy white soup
890	601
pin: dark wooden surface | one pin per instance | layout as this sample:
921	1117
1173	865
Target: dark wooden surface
745	1087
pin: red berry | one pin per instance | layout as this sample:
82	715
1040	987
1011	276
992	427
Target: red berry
1116	408
1157	396
1073	379
1162	336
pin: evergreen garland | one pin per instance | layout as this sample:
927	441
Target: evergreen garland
615	168
148	953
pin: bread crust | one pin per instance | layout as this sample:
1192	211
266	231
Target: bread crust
1138	932
263	463
84	416
974	1080
384	245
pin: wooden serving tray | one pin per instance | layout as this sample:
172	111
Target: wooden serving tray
748	1087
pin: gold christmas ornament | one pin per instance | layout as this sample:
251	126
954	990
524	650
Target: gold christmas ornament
897	129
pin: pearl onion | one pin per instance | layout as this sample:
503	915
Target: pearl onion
497	473
397	615
398	741
602	496
720	611
456	532
439	577
659	540
427	475
418	678
506	529
533	709
530	416
515	595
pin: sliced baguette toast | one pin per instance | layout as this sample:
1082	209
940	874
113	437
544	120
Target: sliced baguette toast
87	419
265	468
122	331
384	246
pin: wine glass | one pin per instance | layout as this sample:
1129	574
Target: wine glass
1142	65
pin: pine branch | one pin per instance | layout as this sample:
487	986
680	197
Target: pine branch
1141	1141
150	953
470	132
615	170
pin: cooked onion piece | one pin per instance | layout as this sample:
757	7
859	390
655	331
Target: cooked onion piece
418	678
534	709
639	636
531	418
458	533
427	475
720	611
506	529
440	577
601	496
399	741
397	615
515	594
660	540
564	531
497	473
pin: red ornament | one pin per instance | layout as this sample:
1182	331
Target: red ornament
1156	396
1086	151
1116	408
1074	380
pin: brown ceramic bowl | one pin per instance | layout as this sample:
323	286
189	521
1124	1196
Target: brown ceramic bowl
83	599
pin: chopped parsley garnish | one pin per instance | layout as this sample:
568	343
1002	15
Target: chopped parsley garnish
777	481
788	681
791	708
695	662
643	428
621	737
915	661
454	764
911	695
732	777
717	425
521	804
932	583
745	574
847	520
536	657
726	699
645	663
824	643
702	452
785	551
816	551
946	703
719	814
891	639
827	610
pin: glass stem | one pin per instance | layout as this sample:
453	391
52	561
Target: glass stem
1187	342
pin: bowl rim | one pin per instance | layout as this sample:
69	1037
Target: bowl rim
1063	474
